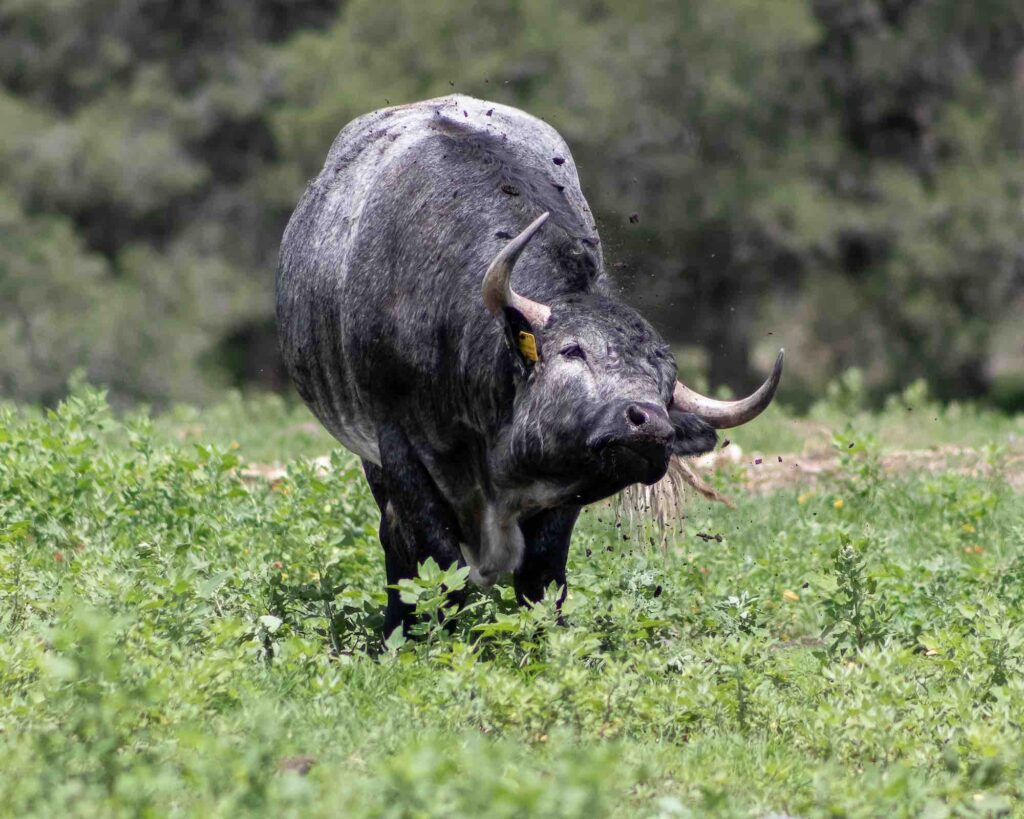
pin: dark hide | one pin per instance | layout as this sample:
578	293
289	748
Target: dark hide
472	451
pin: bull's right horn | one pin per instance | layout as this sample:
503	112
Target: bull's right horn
497	290
728	414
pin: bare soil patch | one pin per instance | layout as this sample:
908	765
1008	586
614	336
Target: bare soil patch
770	473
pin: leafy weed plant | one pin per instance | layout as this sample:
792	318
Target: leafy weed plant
179	640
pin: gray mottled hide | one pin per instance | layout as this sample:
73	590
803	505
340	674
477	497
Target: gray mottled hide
382	261
382	322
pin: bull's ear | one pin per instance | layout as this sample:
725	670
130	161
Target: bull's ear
522	317
694	436
523	338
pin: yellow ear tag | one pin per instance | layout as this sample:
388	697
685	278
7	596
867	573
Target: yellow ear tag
528	345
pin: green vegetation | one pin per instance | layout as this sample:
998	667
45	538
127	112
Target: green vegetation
844	175
175	640
191	601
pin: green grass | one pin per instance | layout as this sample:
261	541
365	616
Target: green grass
173	639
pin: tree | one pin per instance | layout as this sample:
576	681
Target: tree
843	177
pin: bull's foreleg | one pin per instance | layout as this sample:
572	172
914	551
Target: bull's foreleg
546	535
416	521
399	562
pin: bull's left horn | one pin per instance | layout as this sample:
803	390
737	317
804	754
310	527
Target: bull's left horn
728	414
497	289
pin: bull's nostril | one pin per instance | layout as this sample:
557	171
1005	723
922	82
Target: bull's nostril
637	417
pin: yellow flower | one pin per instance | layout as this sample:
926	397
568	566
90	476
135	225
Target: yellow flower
789	594
838	503
806	496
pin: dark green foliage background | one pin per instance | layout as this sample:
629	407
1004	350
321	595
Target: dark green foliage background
846	175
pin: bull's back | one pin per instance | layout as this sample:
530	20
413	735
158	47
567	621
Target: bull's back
378	291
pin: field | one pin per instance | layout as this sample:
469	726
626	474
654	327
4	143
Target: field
190	612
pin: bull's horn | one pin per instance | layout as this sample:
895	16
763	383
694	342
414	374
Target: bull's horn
728	414
497	290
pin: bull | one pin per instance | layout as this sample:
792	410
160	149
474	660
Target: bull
444	310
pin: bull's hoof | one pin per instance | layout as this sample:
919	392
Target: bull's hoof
483	578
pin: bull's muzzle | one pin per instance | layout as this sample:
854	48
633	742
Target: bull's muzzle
633	441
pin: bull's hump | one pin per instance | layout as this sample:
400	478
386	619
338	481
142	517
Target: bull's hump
536	159
392	130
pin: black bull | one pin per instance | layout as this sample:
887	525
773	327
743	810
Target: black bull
486	415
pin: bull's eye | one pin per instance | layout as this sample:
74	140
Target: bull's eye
572	351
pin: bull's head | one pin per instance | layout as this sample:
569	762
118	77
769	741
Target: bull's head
600	407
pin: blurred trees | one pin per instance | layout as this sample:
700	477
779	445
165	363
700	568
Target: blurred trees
847	175
137	133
